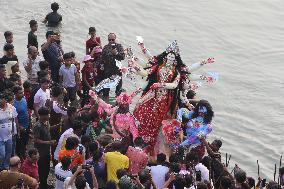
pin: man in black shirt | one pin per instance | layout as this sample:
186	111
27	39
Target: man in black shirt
53	18
3	79
32	38
112	52
10	54
43	143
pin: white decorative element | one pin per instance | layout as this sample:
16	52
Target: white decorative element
139	39
173	47
118	64
110	83
212	76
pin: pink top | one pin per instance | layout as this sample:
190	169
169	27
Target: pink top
30	168
125	122
138	159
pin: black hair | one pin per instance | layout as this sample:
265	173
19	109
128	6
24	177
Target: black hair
161	158
190	94
138	141
71	110
43	65
111	34
56	91
93	147
72	54
191	157
80	182
32	151
42	111
210	113
10	85
175	167
66	162
14	77
225	182
201	185
67	56
8	47
71	143
188	180
273	185
173	158
41	74
92	29
144	176
121	172
153	77
179	182
85	139
9	96
206	161
27	84
241	177
43	80
32	23
97	155
218	143
2	66
77	125
117	146
54	6
251	182
111	185
7	34
16	89
48	33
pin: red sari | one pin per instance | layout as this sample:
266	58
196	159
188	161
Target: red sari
154	106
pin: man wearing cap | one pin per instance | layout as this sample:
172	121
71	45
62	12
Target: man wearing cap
31	65
53	54
112	52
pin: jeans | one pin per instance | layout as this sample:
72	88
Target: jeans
43	170
5	153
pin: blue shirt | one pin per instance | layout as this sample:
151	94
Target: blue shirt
22	110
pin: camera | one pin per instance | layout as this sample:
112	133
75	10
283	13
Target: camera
87	166
113	46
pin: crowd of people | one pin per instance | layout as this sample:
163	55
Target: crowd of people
61	120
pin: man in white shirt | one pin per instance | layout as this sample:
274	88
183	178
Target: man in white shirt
159	171
8	115
42	96
62	171
31	65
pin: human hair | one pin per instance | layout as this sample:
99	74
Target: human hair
93	147
32	152
56	91
175	167
71	143
43	80
121	172
117	146
2	66
27	84
67	56
42	111
14	77
111	34
138	141
225	182
66	162
273	185
111	185
188	180
48	33
41	74
54	6
43	65
190	94
32	23
97	155
16	89
241	177
161	158
71	110
85	139
77	125
7	34
173	158
92	29
152	78
206	161
179	182
192	157
9	96
251	182
72	54
218	143
201	185
8	47
208	115
144	176
80	182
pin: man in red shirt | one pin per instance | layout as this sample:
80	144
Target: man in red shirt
138	159
94	41
29	166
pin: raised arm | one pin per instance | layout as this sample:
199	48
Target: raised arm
145	51
198	65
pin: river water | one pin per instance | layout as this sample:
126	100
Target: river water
246	37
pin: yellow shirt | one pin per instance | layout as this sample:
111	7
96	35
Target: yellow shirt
115	161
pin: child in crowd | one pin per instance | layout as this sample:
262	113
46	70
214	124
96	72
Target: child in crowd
88	77
69	78
27	93
12	67
53	18
9	54
16	79
8	37
93	42
32	38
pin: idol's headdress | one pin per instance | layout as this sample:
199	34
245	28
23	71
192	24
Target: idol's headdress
173	47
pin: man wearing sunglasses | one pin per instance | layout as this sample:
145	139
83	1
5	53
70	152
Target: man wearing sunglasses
111	52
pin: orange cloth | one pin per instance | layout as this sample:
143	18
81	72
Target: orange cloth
77	158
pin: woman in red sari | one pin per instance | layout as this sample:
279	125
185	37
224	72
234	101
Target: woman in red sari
159	99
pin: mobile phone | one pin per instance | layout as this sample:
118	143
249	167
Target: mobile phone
87	166
113	46
263	182
198	176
